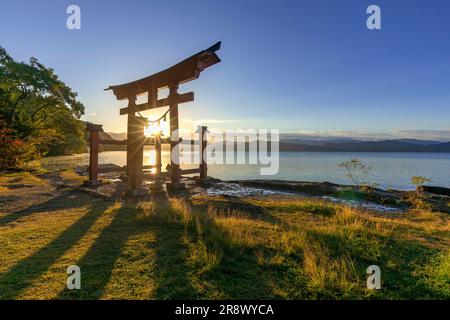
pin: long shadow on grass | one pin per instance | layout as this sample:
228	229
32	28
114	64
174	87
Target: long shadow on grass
233	204
237	275
171	269
67	200
21	275
180	275
97	264
400	261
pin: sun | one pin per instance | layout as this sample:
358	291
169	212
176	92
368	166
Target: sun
154	127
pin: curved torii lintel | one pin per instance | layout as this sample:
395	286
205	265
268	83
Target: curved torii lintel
184	71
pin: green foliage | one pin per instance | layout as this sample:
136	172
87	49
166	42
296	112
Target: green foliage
419	180
437	275
38	109
418	199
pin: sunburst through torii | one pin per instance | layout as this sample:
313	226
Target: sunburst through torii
185	71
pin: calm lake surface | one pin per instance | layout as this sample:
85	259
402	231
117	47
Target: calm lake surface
389	170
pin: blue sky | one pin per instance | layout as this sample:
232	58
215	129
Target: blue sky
300	66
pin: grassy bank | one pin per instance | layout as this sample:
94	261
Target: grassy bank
201	247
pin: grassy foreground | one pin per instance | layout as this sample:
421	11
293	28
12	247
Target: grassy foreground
211	247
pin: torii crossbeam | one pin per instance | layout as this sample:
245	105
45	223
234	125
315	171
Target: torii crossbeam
184	71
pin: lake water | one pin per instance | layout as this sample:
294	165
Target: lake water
389	170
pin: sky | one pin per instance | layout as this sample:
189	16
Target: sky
310	67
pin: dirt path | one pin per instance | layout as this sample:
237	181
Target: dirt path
22	190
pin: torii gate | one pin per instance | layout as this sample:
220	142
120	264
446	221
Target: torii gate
185	71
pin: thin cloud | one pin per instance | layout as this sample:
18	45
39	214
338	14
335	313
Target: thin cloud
210	121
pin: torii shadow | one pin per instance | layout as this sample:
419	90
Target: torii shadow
97	264
22	274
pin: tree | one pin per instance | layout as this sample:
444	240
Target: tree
38	108
14	152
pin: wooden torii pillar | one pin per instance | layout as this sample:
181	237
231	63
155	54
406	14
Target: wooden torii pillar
185	71
135	147
94	141
203	165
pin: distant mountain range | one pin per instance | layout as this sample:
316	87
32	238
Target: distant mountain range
108	147
343	144
117	136
369	146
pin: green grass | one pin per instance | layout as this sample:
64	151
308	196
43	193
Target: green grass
214	248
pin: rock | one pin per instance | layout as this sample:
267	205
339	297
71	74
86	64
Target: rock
436	190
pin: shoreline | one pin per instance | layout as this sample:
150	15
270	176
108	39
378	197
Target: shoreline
390	171
438	198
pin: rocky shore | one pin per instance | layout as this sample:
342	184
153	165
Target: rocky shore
435	198
429	197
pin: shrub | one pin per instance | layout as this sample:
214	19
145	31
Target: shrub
359	172
417	198
15	152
